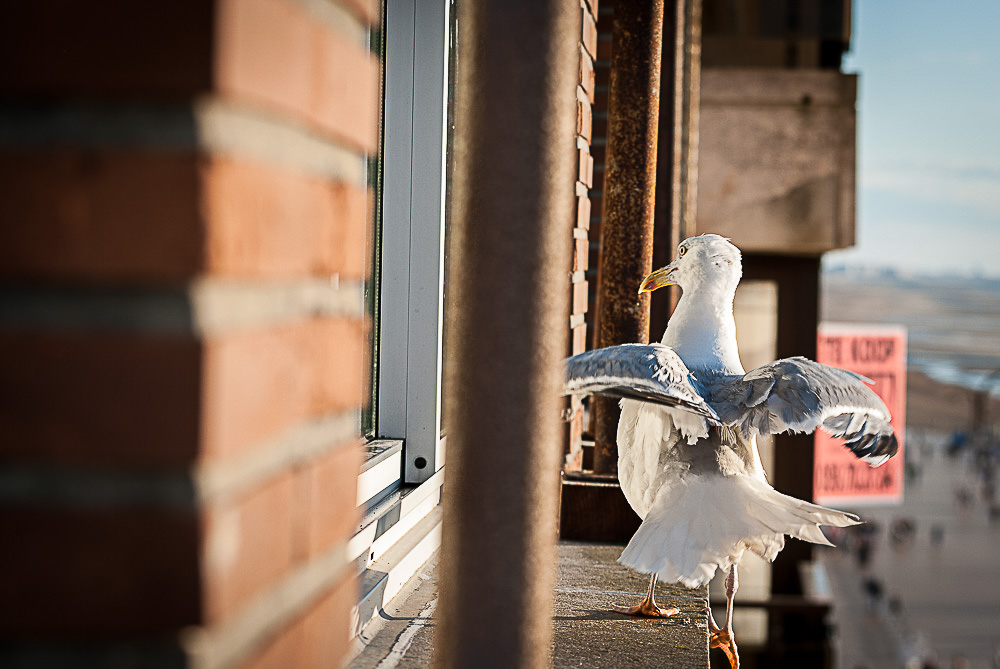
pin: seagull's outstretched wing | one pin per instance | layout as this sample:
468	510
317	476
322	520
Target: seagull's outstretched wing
648	372
799	395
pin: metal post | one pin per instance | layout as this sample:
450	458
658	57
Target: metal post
508	289
629	187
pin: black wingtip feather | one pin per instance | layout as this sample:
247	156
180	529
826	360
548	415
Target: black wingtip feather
874	448
874	441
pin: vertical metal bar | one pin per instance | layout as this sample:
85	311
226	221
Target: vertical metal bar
421	457
395	284
508	291
629	188
409	401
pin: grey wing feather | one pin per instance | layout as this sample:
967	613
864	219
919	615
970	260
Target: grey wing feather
647	372
799	395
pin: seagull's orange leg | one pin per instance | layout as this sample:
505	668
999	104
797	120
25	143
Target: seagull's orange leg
648	607
722	638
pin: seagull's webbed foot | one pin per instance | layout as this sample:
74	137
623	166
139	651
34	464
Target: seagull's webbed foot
647	608
723	640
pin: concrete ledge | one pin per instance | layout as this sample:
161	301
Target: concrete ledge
587	632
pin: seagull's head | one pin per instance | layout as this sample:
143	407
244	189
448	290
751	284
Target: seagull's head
703	260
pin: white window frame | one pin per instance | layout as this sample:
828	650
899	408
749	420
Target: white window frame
413	212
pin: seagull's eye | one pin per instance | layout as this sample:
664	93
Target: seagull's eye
681	251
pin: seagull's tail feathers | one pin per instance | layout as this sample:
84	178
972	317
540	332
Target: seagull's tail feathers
701	524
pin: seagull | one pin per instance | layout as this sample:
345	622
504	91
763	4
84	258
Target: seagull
687	452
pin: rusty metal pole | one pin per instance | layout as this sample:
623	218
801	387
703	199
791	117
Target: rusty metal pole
629	187
511	237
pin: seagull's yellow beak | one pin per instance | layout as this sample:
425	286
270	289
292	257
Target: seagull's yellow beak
658	279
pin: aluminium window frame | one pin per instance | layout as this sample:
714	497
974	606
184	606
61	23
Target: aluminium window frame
413	233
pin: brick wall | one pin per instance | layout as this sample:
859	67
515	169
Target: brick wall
585	95
182	332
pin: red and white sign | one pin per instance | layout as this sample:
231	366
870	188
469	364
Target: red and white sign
879	353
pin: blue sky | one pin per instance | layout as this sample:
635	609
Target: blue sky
928	136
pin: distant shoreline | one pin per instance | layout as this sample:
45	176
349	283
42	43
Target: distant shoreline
937	406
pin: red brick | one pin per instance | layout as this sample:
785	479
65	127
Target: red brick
576	428
367	10
319	638
333	480
99	399
303	505
324	501
348	245
588	36
281	652
583	212
248	546
116	48
261	382
262	220
581	253
347	92
126	400
580	339
585	167
100	214
274	54
327	627
584	119
97	573
265	50
269	221
255	385
575	440
337	351
580	297
587	76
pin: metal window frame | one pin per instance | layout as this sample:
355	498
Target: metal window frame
413	201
